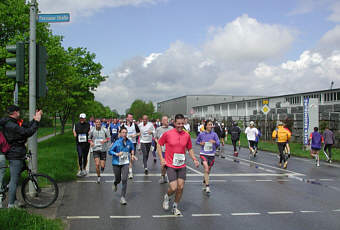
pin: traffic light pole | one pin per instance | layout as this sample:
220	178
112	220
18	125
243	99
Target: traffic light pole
32	142
16	94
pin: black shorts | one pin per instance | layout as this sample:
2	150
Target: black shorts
209	159
315	149
251	144
99	154
176	173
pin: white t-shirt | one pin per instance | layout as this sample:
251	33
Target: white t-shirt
251	133
144	130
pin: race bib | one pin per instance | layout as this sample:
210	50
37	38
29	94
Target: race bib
178	160
124	159
82	138
208	146
152	148
97	142
114	131
163	148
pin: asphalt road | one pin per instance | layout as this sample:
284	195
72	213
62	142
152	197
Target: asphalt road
246	194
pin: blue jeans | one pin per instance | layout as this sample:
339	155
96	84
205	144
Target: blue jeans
2	170
15	167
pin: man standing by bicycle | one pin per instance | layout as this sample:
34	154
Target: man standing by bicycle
17	136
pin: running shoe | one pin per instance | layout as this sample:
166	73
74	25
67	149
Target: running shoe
123	201
130	175
80	173
330	161
98	180
154	160
166	202
163	180
285	164
146	171
207	189
114	187
176	212
279	164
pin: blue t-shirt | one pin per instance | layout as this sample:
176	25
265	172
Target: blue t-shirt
121	146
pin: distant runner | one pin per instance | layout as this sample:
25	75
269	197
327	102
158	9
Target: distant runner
282	136
315	141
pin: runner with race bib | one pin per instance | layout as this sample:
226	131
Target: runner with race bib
209	141
122	152
176	142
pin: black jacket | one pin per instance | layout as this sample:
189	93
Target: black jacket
16	136
235	133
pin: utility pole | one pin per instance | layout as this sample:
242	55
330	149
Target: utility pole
32	141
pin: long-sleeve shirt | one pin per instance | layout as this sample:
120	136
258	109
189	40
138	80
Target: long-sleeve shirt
121	146
328	137
209	148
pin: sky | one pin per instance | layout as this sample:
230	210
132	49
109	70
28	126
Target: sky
155	50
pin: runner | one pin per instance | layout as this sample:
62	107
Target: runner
209	141
235	133
328	136
122	152
159	132
114	128
315	140
186	125
176	142
282	136
154	145
133	133
251	132
147	131
99	138
81	133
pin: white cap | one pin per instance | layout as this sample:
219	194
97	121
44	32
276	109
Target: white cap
251	123
82	115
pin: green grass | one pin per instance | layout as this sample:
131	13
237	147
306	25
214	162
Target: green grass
57	157
44	131
18	219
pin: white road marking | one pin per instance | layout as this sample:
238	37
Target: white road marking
213	214
82	217
246	214
241	180
125	217
86	181
200	181
194	170
280	212
141	181
283	180
263	180
336	210
326	179
310	211
166	216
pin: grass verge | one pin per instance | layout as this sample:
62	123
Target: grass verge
44	131
19	219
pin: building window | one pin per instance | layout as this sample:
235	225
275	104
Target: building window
217	108
225	107
251	104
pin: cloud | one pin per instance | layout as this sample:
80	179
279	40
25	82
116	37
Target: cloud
335	15
83	8
224	64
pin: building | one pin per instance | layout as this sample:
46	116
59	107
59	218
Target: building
185	104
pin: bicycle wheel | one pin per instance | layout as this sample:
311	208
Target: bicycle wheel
39	190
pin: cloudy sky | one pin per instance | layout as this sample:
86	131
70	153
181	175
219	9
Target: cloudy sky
160	49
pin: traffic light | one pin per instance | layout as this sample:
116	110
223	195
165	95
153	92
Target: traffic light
18	61
41	71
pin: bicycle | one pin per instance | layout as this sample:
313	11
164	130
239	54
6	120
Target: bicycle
38	190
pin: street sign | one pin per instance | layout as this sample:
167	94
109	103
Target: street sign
265	109
51	18
265	102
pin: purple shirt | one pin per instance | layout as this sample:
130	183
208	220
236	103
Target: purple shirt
208	149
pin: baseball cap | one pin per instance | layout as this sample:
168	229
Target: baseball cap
82	115
251	123
12	108
280	123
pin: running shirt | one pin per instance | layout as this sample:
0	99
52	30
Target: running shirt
209	148
132	129
82	131
144	130
176	144
159	132
121	146
251	133
317	140
97	136
114	129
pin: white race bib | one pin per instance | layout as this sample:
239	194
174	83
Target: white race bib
114	131
152	148
208	147
82	138
97	142
178	160
124	159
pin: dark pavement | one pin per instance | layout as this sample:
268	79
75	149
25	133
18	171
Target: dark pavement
247	194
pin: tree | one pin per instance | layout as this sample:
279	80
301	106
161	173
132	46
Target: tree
139	108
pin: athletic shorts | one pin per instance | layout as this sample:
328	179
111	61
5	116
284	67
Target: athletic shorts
251	144
315	149
209	159
163	154
176	173
99	154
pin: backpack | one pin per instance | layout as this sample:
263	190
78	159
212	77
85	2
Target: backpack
4	146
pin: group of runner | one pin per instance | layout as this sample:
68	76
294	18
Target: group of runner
171	142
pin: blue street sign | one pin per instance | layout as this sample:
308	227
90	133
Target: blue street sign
50	18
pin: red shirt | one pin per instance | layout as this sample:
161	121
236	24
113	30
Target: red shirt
175	143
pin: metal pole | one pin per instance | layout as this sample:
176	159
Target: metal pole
32	142
16	92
